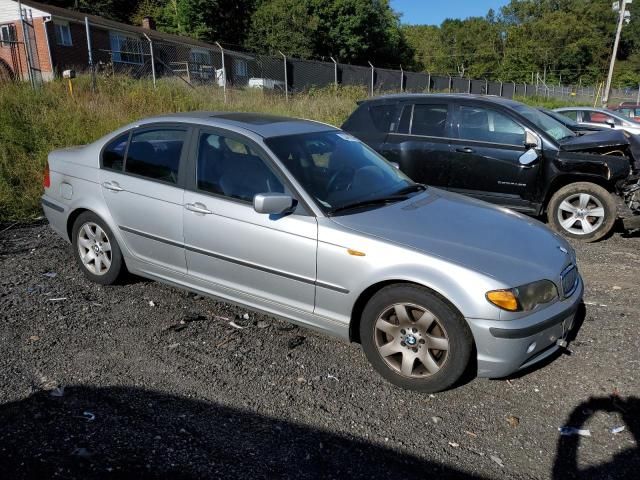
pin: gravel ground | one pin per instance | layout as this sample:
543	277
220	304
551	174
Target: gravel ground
144	380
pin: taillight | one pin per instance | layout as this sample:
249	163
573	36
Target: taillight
46	178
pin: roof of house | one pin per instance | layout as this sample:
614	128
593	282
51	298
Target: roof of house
74	15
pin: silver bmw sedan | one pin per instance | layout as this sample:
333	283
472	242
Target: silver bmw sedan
303	221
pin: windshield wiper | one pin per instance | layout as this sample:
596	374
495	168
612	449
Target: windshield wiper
369	203
415	187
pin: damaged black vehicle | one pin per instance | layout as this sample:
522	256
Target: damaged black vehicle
504	152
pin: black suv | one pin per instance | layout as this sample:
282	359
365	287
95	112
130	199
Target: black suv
500	151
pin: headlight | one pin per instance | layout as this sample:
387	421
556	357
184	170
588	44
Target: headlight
525	297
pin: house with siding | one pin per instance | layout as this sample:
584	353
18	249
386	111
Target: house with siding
41	41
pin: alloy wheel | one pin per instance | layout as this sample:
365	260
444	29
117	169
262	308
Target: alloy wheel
411	340
581	213
94	248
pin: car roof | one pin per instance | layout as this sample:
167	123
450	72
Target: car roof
443	96
261	124
593	109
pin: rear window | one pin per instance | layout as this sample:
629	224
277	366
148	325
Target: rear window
156	154
383	117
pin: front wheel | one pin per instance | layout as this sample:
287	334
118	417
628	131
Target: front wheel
584	211
414	339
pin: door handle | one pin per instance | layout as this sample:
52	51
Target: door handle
465	150
198	208
113	186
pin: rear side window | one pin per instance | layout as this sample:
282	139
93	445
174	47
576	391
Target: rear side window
156	154
572	114
383	117
113	154
429	120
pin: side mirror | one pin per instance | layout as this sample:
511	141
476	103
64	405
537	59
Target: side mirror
531	140
528	157
610	122
272	203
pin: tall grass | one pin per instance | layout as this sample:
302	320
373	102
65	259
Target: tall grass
32	123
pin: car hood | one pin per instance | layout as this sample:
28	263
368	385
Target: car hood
505	245
604	138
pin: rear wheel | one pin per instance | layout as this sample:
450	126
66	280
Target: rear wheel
414	339
96	250
584	211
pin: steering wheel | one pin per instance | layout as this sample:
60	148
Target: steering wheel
333	185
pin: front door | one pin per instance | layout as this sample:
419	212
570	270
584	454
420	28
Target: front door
230	246
421	144
144	192
485	158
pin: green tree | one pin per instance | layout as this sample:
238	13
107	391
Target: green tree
285	25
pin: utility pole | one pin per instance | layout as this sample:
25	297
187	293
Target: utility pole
622	6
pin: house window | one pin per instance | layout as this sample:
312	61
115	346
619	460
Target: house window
200	57
63	34
7	35
240	68
126	49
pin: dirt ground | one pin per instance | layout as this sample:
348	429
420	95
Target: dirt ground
143	380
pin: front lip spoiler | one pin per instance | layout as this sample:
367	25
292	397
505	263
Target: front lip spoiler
513	333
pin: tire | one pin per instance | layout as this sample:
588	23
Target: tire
400	354
569	208
96	250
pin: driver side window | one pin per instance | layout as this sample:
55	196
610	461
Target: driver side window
231	168
486	125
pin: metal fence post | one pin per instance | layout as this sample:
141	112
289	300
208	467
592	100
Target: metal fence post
401	79
525	89
469	86
224	72
486	86
450	83
372	76
335	73
153	60
501	88
90	52
428	82
286	82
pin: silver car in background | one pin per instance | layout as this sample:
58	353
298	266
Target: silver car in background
303	221
600	117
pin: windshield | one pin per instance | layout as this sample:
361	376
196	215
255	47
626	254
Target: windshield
338	170
549	125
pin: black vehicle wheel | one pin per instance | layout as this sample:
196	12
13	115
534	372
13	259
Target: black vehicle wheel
414	339
584	211
96	250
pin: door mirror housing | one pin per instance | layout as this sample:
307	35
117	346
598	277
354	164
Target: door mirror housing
610	122
272	203
531	140
528	157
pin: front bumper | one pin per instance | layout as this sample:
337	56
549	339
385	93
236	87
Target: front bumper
506	346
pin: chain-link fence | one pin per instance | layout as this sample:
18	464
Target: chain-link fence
147	53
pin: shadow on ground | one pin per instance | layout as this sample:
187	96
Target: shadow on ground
625	464
147	435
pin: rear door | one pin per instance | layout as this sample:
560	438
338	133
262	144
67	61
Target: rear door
237	251
142	179
486	157
420	144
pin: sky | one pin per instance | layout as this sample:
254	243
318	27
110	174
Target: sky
433	12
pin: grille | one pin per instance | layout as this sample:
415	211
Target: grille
569	280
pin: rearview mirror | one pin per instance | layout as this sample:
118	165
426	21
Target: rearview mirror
528	157
272	203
